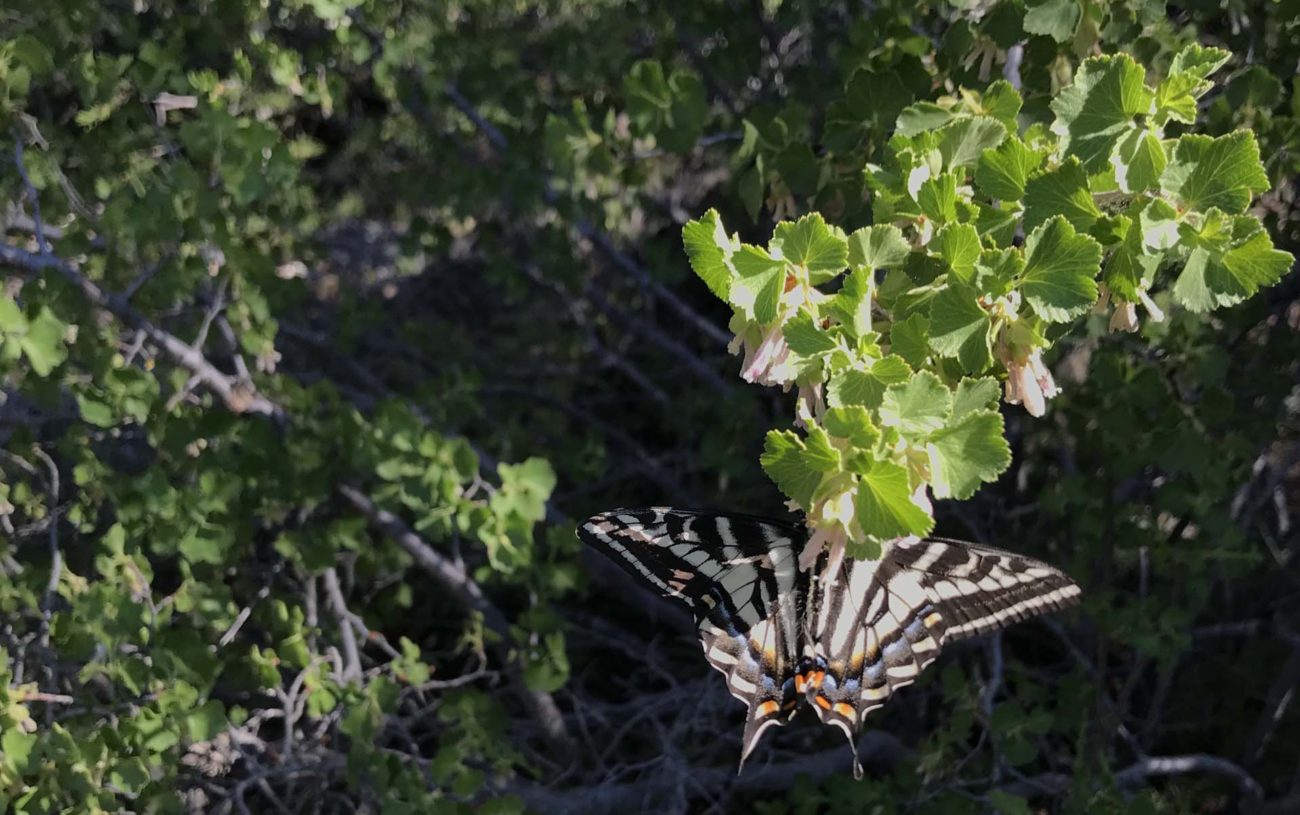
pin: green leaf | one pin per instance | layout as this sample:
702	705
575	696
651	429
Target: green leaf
1057	19
959	246
1139	160
202	544
997	270
204	722
851	305
852	423
43	342
13	321
805	337
1176	95
878	247
811	244
884	505
910	339
785	460
1221	173
1002	172
708	246
757	291
962	142
1129	265
94	411
1060	271
960	327
921	117
1064	192
968	452
1198	60
1212	279
917	407
867	388
1094	113
975	394
872	100
937	198
17	749
1002	101
819	453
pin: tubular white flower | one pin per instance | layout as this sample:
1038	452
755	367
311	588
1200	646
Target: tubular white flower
1157	315
1125	317
810	404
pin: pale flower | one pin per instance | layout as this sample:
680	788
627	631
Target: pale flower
1125	317
811	405
768	362
1030	383
1157	316
833	517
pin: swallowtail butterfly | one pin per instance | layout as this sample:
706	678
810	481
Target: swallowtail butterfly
842	642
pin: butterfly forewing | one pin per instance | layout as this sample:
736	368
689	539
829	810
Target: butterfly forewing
740	578
978	588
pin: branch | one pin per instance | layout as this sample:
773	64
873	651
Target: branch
351	653
876	747
238	397
1280	694
467	594
1138	773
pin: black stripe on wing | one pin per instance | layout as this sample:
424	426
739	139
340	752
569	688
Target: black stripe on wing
739	575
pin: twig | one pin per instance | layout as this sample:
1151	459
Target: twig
1143	769
56	553
1279	697
334	594
467	593
239	398
33	198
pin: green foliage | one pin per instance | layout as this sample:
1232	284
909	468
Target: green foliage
430	252
980	303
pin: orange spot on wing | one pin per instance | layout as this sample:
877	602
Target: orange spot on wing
799	683
845	709
822	702
768	708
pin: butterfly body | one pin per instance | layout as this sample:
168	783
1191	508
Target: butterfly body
841	642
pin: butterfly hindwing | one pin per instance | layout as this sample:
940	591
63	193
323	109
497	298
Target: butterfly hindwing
740	578
872	630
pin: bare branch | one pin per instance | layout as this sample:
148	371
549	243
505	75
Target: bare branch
239	397
1144	769
467	593
334	593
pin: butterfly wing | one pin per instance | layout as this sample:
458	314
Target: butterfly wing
739	576
877	624
978	588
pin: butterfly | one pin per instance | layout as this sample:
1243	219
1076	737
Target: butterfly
842	642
